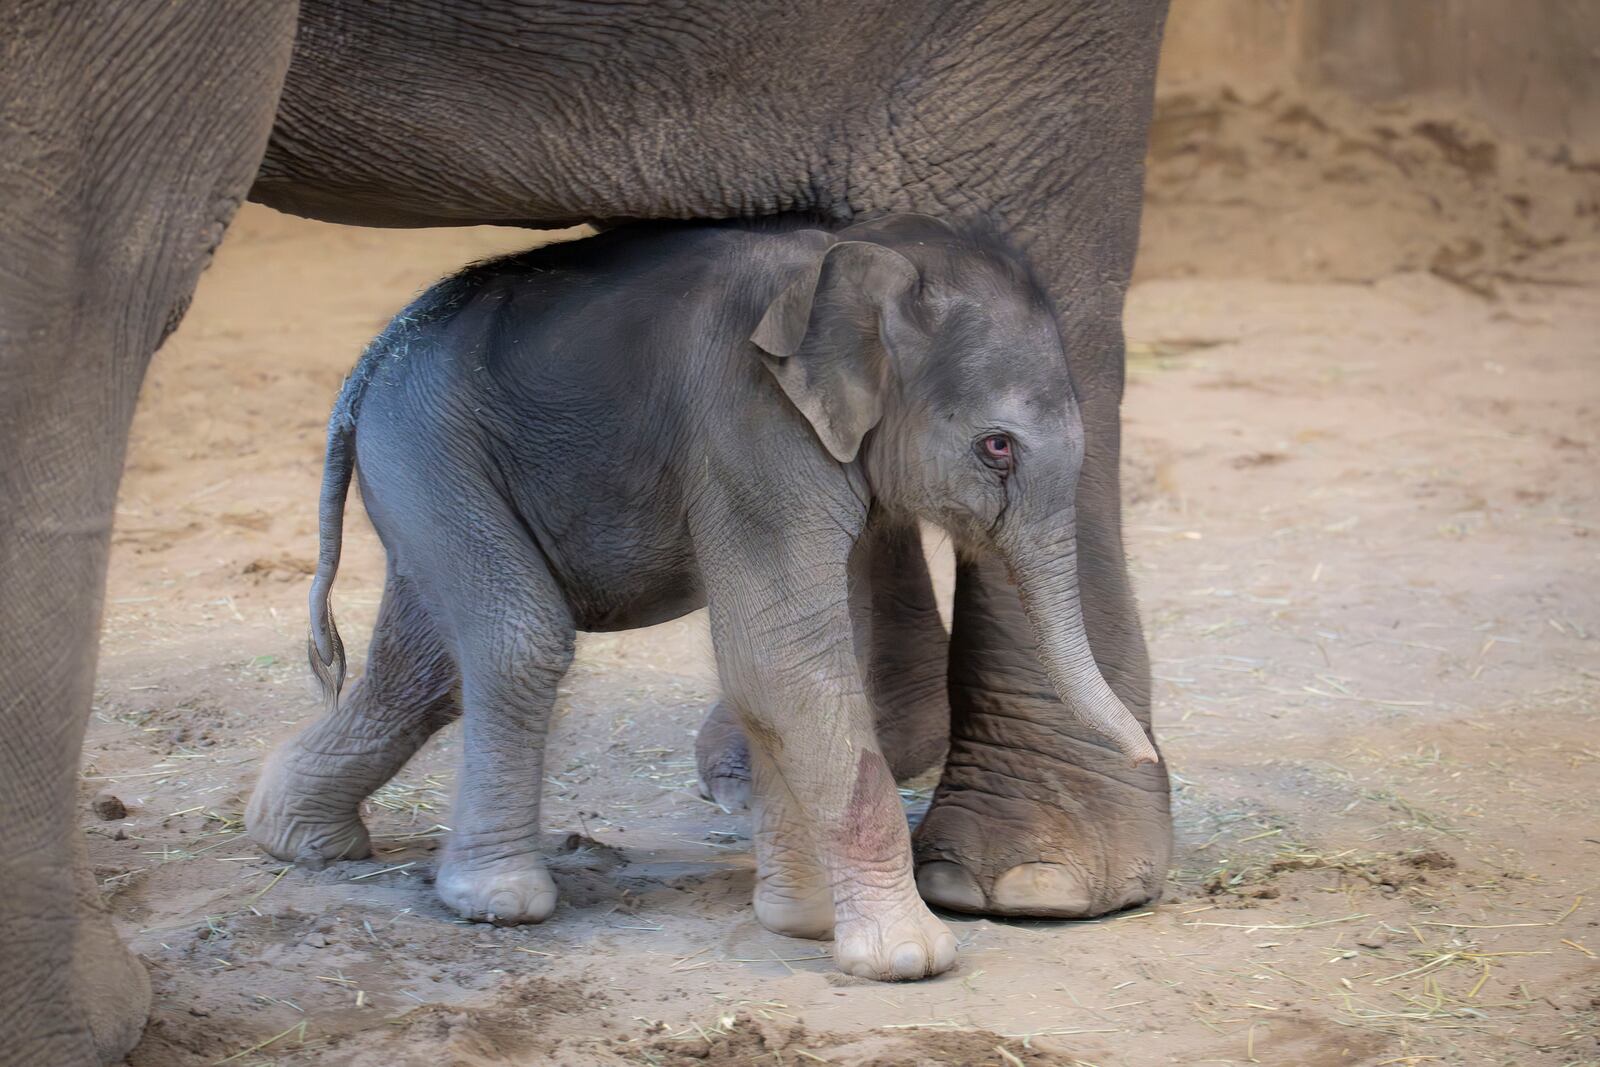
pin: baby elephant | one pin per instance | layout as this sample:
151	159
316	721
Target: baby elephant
613	432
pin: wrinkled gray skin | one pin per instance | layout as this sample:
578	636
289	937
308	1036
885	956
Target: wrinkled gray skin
610	434
131	129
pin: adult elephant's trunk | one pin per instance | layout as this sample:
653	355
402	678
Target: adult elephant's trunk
1046	573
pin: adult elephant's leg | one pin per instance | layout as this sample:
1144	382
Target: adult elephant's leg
128	135
906	651
1033	815
903	649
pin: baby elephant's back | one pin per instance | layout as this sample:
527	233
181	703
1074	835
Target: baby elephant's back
561	344
562	384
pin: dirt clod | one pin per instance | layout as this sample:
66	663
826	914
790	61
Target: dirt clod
1432	860
108	806
284	568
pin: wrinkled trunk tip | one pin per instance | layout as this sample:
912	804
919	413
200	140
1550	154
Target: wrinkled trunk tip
1136	746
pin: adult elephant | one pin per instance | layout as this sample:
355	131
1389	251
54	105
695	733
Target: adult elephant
131	129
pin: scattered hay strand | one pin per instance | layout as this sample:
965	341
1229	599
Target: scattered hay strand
263	892
1282	926
385	870
411	798
300	1026
1576	904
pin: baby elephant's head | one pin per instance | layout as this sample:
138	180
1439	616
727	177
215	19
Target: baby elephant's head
931	355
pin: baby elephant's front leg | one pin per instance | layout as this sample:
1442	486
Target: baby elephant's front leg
839	784
882	929
821	775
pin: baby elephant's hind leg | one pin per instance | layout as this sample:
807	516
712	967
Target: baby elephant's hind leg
306	806
514	635
723	756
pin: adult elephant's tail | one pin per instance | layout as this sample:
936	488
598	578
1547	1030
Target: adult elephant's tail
324	648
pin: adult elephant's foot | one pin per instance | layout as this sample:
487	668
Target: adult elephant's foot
300	816
1027	822
74	994
1035	815
507	891
112	987
109	983
909	945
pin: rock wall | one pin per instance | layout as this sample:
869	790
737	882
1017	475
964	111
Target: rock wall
1528	69
1349	139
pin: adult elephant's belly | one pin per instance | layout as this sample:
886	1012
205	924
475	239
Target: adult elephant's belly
415	113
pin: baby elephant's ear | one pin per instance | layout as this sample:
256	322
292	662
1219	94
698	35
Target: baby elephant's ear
828	339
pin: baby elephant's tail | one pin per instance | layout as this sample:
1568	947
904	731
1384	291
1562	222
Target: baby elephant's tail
323	646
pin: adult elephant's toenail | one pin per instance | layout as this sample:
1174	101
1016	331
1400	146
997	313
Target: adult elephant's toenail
1046	890
949	885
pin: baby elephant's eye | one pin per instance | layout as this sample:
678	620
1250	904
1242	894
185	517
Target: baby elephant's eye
995	450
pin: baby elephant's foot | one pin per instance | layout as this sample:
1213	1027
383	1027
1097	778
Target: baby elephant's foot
504	892
723	757
803	909
296	818
908	946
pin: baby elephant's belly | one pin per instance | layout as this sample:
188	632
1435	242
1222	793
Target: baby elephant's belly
645	605
623	583
618	544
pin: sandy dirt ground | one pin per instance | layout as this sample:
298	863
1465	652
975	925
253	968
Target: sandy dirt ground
1364	519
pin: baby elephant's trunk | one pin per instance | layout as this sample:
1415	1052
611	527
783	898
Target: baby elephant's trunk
1047	578
323	647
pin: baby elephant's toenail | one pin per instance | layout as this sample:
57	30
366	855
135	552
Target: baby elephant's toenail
909	960
861	969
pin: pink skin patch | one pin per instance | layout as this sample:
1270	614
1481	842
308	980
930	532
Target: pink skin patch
874	833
